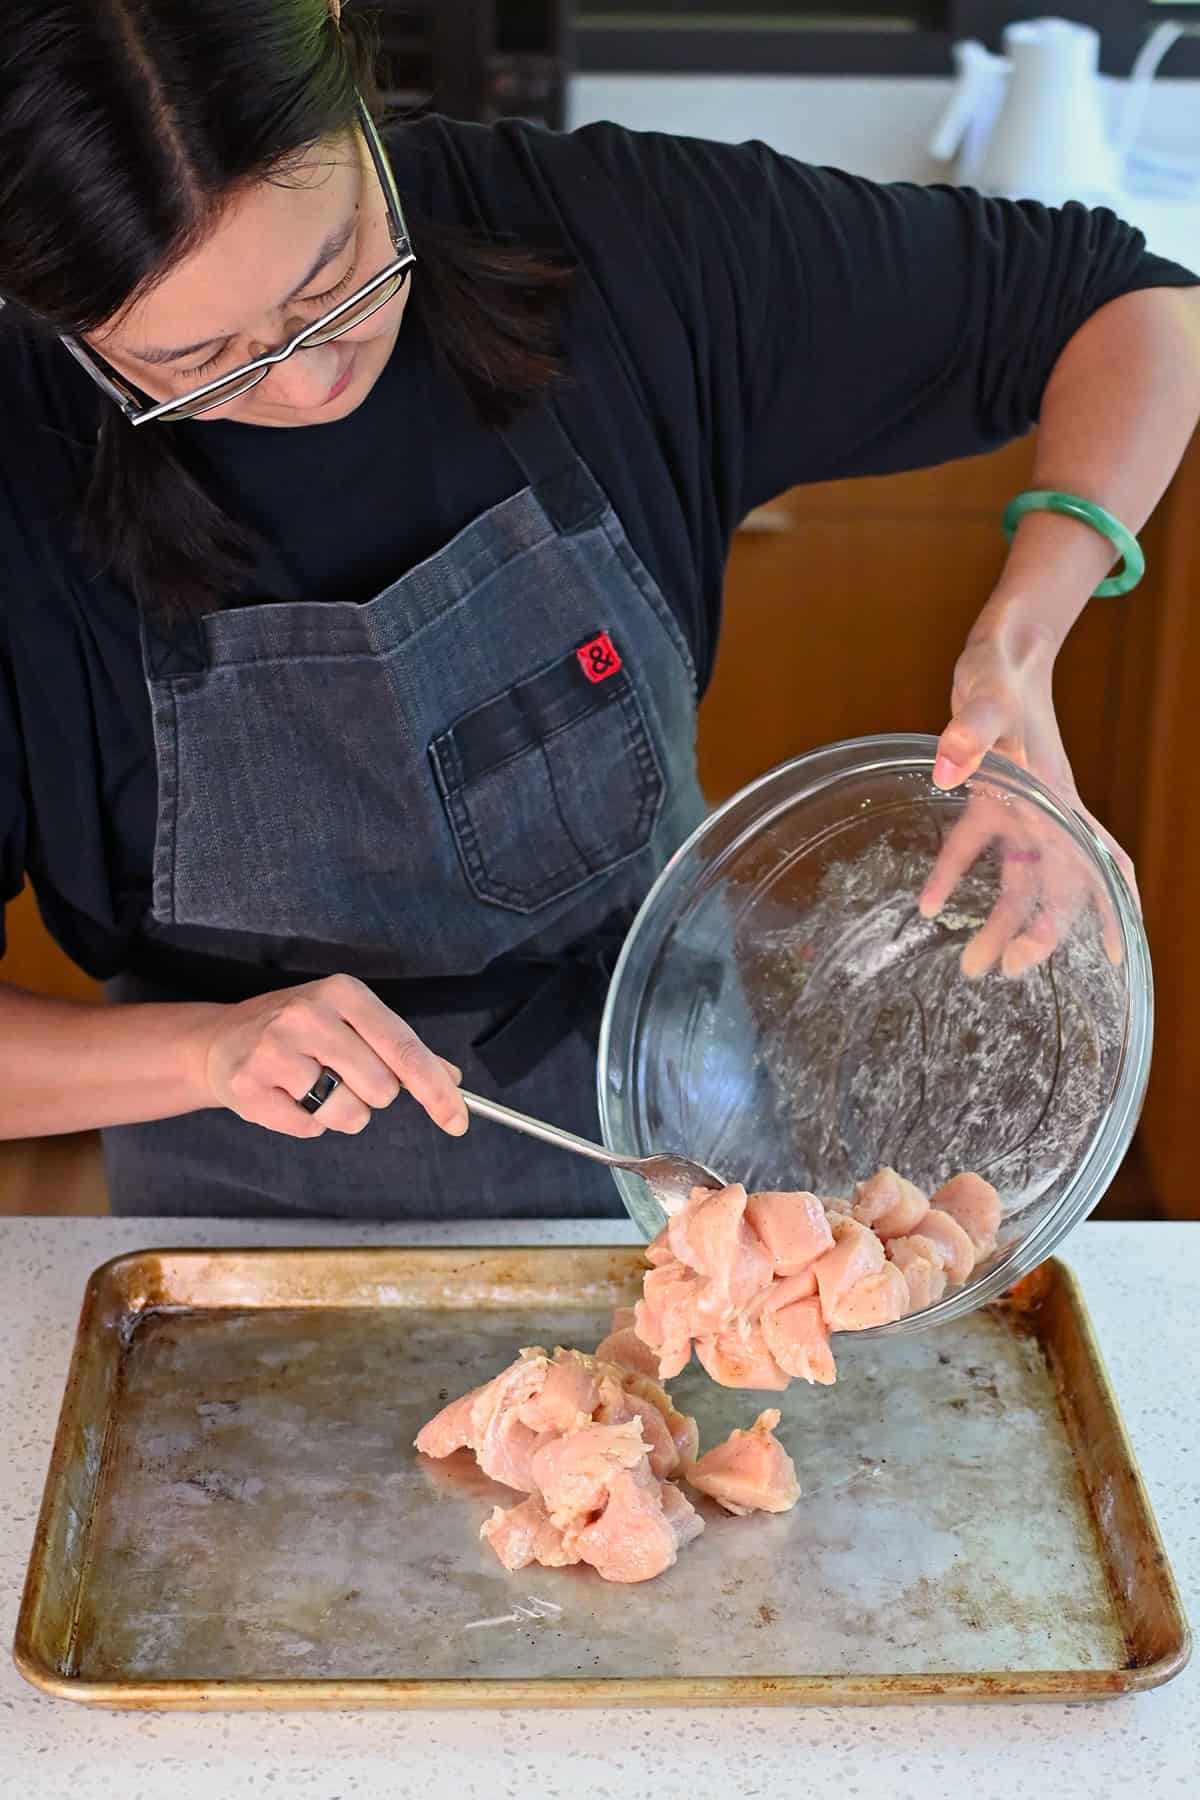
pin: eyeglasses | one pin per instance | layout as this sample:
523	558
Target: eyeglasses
140	409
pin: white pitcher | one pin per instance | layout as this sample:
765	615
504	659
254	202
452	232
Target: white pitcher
1030	124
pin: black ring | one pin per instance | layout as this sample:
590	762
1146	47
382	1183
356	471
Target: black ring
325	1084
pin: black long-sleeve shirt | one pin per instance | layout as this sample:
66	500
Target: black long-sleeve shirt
740	323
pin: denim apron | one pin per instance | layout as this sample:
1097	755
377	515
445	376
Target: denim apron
459	792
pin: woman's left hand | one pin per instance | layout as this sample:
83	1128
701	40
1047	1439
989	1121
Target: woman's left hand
1002	700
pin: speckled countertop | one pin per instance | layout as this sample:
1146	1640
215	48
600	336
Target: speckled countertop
1142	1283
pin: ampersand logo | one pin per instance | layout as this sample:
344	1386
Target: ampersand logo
598	658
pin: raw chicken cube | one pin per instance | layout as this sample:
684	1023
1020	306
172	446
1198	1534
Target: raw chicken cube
877	1299
974	1204
664	1316
624	1347
523	1534
487	1420
856	1252
593	1492
685	1434
681	1515
792	1226
781	1293
889	1204
449	1430
750	1472
573	1472
708	1284
619	1407
919	1260
569	1395
684	1431
640	1531
647	1388
704	1234
954	1246
712	1237
798	1339
503	1445
660	1290
739	1358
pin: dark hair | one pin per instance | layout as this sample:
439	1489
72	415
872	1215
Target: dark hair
124	127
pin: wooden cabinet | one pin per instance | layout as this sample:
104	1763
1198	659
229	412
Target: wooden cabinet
34	961
1156	802
845	609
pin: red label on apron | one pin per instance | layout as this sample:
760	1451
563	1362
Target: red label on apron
598	658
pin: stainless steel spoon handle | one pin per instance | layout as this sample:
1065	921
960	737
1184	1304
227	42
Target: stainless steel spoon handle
537	1128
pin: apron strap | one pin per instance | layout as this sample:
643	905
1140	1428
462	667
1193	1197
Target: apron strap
568	492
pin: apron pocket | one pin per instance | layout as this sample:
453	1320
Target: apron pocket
551	782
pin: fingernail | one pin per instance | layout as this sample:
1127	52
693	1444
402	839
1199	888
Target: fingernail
946	773
928	907
458	1125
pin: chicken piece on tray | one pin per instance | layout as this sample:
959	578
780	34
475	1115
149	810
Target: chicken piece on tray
574	1471
449	1430
488	1421
569	1393
750	1472
619	1407
684	1432
590	1443
624	1347
523	1534
686	1436
639	1532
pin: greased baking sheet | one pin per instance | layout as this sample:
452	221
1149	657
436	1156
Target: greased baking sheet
235	1516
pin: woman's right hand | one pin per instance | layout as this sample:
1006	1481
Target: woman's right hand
263	1055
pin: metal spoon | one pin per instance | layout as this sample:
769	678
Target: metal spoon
669	1178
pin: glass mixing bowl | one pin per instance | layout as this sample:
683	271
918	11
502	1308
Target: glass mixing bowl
783	1011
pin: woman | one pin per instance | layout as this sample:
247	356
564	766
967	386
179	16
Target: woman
364	510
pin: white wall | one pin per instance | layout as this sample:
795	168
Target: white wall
871	127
